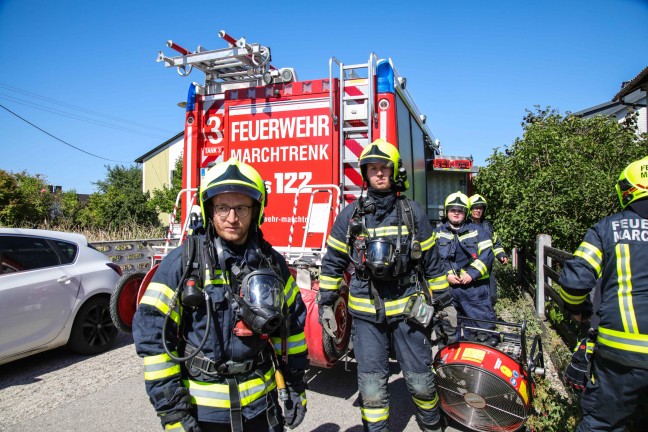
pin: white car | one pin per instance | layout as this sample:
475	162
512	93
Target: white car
54	290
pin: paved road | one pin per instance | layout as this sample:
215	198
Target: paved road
61	391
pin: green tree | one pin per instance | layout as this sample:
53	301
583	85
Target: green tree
559	178
25	200
119	201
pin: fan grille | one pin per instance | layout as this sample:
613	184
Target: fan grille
479	399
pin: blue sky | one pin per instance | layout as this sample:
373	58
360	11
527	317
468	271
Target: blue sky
85	72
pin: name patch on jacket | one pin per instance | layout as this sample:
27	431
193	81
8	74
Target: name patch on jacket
630	229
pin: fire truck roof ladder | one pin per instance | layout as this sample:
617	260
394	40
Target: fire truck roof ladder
239	62
357	113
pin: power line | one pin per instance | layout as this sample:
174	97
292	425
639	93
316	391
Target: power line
75	117
74	107
58	139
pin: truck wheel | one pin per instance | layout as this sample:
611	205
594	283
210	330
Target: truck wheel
93	331
123	301
336	347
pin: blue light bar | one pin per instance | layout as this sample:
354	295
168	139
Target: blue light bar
385	76
191	97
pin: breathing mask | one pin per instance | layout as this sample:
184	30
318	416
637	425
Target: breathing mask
262	292
379	257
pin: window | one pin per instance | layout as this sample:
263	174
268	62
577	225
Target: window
26	253
68	251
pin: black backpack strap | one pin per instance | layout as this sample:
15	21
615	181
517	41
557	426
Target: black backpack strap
406	208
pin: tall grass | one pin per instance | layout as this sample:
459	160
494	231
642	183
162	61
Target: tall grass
133	232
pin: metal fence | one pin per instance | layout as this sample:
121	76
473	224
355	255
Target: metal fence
538	271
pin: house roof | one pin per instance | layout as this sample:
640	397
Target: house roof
632	85
166	143
606	108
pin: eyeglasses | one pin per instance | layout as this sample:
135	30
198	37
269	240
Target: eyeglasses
241	211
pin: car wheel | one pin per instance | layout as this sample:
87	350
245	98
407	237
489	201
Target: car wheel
93	331
123	301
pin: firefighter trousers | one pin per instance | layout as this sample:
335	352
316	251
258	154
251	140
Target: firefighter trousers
474	301
411	345
609	402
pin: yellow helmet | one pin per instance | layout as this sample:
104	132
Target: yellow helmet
633	182
477	200
232	176
383	152
457	199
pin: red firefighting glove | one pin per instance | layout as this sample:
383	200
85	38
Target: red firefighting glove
578	371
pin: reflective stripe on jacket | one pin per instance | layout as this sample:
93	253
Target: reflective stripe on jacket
616	250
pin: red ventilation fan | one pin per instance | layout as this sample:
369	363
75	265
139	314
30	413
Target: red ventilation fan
489	388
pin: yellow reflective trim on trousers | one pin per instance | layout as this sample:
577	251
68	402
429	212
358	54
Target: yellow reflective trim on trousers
387	231
295	344
572	299
592	255
482	246
632	342
337	244
160	366
330	283
438	283
290	291
427	244
217	395
361	304
426	405
624	280
373	415
159	296
481	268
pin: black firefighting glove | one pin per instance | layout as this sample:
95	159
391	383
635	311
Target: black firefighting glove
178	417
184	424
326	313
577	372
327	319
294	409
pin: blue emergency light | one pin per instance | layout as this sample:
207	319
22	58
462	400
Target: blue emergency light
191	97
385	76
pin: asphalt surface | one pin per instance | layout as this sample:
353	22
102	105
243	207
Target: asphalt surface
61	391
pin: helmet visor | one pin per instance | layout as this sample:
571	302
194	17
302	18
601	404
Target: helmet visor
263	288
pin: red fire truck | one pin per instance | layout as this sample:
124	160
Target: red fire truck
304	137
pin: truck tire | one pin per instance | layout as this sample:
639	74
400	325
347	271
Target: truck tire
123	301
336	347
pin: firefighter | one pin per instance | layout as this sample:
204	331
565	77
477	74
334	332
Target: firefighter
220	315
478	216
615	249
467	255
397	282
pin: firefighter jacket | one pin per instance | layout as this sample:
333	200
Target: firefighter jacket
468	249
615	249
207	377
379	299
498	249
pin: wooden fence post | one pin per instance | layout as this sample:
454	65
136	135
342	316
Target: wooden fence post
542	240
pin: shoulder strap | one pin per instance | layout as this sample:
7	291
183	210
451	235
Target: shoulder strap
409	216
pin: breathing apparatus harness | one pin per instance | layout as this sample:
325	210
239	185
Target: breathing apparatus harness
380	259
